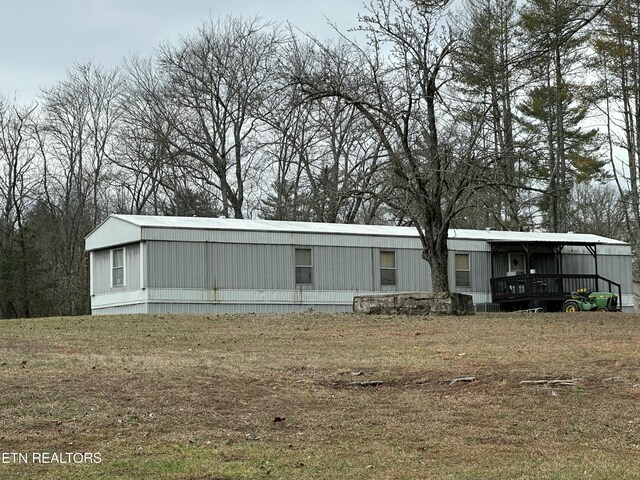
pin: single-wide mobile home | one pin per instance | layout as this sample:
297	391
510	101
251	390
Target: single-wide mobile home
150	264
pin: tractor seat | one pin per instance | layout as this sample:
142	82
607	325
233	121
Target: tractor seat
581	292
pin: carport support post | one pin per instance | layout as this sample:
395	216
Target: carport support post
593	250
595	261
494	250
557	251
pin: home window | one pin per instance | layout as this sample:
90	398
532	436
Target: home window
387	268
117	267
303	266
463	270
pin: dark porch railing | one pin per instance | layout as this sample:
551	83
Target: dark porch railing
548	285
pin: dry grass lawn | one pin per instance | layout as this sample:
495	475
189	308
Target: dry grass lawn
195	397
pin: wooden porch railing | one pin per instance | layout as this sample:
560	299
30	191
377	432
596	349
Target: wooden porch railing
548	285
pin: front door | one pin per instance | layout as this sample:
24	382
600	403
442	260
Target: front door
517	265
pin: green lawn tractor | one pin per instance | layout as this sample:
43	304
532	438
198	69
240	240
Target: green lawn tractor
588	301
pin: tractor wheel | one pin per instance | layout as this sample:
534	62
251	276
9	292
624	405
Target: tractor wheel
571	307
602	309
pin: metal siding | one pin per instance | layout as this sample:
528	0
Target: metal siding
342	268
116	298
500	264
242	308
113	231
184	295
465	245
601	249
101	271
413	273
613	267
290	238
543	263
231	301
276	238
176	264
310	239
252	266
132	267
121	309
480	271
578	264
482	274
618	269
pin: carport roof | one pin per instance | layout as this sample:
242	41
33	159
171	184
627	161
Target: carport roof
499	236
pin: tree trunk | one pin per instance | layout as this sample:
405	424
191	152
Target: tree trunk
561	193
634	125
436	254
439	271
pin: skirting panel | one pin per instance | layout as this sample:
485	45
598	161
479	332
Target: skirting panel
153	300
243	308
121	309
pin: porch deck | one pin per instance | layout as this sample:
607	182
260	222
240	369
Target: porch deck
551	286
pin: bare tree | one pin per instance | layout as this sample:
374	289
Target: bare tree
205	97
597	209
76	143
287	147
399	86
345	171
142	156
19	179
19	190
322	157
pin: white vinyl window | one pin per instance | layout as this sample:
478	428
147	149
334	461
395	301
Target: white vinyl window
463	270
117	267
387	268
304	266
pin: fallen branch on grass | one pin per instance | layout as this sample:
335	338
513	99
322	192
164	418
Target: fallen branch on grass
563	383
461	379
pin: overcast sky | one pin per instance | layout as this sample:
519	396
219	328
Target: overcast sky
41	39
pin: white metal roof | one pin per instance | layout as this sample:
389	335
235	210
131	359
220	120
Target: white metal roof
493	236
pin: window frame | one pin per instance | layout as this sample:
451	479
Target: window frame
309	266
122	267
467	270
393	269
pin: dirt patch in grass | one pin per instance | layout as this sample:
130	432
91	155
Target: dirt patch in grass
324	396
